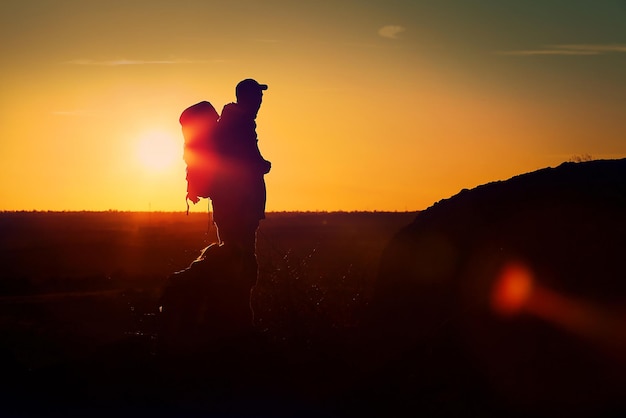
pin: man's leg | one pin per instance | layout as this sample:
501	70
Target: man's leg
239	240
244	246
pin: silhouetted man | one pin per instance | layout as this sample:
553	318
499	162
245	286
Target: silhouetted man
240	203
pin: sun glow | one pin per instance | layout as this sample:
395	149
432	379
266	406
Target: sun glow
158	151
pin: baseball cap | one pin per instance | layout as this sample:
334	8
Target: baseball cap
249	85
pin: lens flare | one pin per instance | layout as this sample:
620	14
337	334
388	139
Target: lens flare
512	289
516	290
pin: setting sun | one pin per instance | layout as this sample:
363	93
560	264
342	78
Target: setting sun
158	151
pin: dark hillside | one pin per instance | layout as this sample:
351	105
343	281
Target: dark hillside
553	340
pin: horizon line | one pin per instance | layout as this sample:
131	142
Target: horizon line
111	211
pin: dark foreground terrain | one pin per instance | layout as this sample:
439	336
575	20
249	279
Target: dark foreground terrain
505	300
80	331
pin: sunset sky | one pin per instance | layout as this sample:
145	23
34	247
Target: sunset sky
372	105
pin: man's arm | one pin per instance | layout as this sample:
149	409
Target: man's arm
263	165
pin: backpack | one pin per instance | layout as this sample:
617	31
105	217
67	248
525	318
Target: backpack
198	123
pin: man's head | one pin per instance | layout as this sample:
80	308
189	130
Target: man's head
250	94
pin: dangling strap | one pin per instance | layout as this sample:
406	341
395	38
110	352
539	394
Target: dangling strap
210	215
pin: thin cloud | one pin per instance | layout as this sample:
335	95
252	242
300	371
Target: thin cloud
121	62
391	31
569	49
599	48
69	112
269	41
531	52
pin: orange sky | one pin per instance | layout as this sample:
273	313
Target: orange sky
372	105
